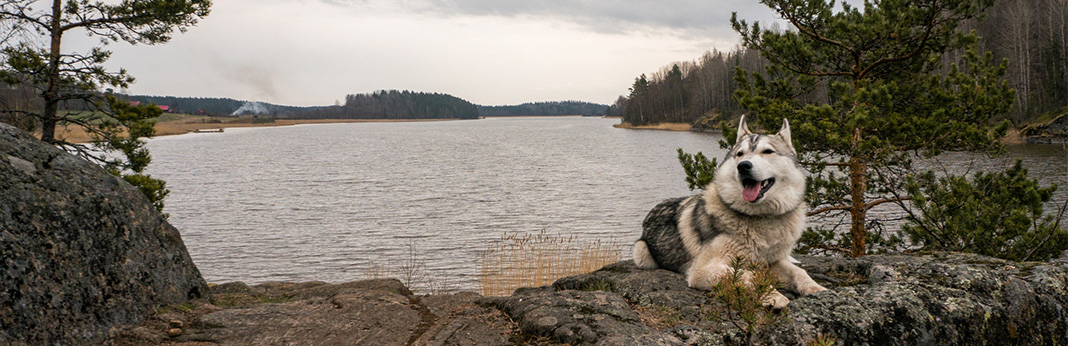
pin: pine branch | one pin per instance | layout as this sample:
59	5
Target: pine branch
868	206
1052	231
827	209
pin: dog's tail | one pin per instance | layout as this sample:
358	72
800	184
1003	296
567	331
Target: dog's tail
642	258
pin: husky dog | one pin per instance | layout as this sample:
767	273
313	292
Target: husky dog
753	209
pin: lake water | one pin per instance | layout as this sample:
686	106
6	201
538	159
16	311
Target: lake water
329	202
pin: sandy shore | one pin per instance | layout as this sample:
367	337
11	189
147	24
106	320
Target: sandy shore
660	126
76	134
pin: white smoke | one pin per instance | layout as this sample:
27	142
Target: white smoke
256	108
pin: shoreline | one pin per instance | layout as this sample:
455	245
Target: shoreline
76	134
530	116
660	126
192	124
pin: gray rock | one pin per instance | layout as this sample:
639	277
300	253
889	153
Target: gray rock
581	317
881	273
642	288
464	319
81	251
369	312
349	318
236	287
936	299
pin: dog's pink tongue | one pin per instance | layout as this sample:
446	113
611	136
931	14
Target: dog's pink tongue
750	192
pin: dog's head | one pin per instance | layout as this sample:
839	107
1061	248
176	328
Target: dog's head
761	174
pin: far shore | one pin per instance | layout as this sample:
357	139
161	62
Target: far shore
660	126
75	134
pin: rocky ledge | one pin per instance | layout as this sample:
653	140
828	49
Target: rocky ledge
933	299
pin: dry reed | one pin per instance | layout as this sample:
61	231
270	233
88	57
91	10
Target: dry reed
535	260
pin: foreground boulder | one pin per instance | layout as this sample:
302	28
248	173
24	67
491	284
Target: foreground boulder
937	299
81	251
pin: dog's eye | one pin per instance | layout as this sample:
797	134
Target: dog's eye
740	154
767	151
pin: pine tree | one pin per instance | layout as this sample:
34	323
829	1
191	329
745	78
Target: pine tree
635	113
64	77
889	96
74	79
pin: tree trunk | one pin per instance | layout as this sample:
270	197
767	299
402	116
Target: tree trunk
51	92
858	184
48	123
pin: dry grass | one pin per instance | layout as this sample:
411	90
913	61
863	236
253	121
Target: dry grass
378	271
535	260
660	126
660	317
413	273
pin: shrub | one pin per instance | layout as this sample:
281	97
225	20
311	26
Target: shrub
994	214
741	302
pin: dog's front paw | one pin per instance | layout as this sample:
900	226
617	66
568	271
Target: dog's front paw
775	301
699	282
810	288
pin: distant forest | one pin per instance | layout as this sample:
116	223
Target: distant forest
391	104
544	108
1031	34
395	104
217	106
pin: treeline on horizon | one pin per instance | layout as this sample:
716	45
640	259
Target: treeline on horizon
215	106
23	97
393	104
390	104
1031	34
544	108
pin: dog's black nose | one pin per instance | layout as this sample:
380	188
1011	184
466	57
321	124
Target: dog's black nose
744	167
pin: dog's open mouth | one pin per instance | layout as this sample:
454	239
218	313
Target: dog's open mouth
753	190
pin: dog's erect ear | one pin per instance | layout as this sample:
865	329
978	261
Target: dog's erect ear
743	129
784	132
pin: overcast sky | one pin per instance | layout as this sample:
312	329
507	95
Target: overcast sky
490	52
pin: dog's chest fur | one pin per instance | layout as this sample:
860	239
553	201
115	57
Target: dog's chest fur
765	238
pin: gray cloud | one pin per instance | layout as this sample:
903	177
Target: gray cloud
691	18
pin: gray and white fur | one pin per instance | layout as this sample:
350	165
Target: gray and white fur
753	209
